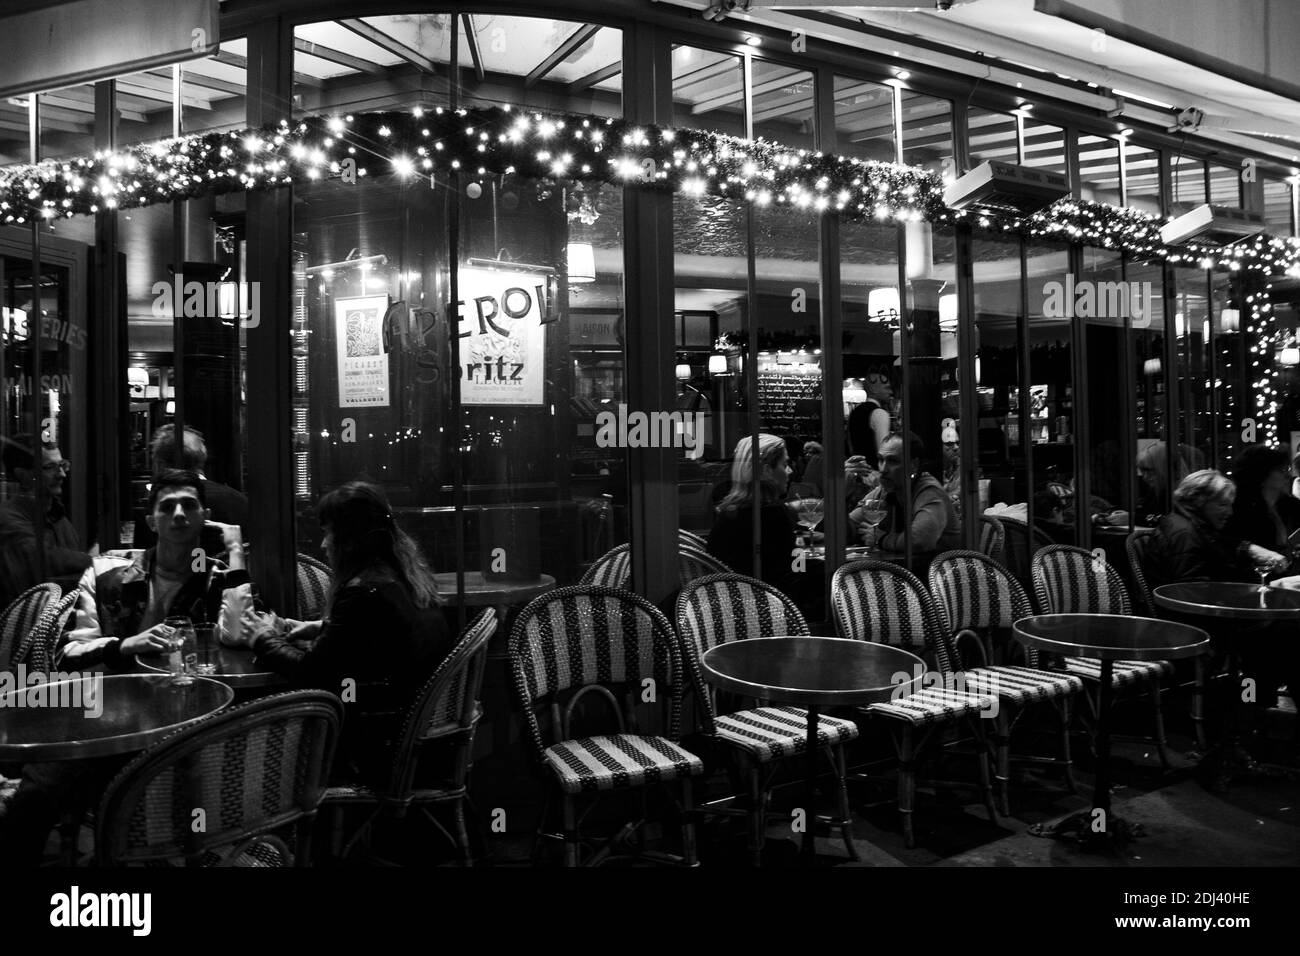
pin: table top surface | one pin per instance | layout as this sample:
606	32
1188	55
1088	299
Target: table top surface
484	592
1230	599
854	553
1114	637
98	715
813	671
236	667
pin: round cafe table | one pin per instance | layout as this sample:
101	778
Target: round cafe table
1224	602
1108	638
237	667
101	715
812	672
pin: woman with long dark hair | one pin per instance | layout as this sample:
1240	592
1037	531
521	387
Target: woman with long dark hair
1264	512
383	633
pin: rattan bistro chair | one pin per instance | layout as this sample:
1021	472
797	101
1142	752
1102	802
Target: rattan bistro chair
977	598
313	587
730	607
1020	542
992	537
882	602
444	713
251	770
592	641
1070	580
20	617
614	568
38	650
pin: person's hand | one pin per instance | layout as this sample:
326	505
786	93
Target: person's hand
231	535
1263	557
147	642
303	630
254	624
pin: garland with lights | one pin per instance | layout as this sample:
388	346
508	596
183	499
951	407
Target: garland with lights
500	140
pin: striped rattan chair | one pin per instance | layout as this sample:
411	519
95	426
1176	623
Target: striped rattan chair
589	639
1020	543
685	537
1070	580
882	602
728	607
977	597
444	713
313	587
253	769
614	568
992	537
20	617
38	650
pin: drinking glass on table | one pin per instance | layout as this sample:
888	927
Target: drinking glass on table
874	514
809	512
205	641
181	651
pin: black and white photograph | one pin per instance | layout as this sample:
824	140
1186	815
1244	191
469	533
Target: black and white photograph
792	439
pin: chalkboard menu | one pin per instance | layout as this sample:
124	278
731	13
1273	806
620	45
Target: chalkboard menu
790	404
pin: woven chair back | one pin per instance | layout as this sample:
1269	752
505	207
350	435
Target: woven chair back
18	619
1069	580
313	587
574	637
41	645
251	770
882	602
973	592
1135	547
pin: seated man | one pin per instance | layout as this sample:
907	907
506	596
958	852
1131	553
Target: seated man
120	610
931	520
119	616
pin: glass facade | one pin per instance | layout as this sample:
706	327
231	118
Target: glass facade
489	432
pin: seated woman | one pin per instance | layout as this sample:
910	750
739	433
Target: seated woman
732	540
931	521
1191	544
1263	512
383	634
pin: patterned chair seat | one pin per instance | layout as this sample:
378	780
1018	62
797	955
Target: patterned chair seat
1123	674
932	705
769	733
615	761
1024	685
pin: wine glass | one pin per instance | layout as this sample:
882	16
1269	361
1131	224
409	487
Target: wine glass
874	513
1263	567
809	512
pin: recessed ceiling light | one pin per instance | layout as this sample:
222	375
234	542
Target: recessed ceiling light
753	41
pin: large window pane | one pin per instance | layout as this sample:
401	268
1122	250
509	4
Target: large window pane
1278	207
864	119
1225	186
784	106
992	136
1142	178
1044	146
1000	432
927	132
708	90
1158	469
1099	178
1051	391
1105	341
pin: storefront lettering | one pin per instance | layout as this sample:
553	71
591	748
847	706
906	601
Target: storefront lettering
515	302
61	383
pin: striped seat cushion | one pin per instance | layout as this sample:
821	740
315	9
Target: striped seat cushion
1023	685
619	760
767	733
932	705
1124	672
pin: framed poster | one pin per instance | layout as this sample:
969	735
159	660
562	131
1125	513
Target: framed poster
362	362
502	328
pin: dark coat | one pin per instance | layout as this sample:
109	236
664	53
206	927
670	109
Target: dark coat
732	542
1182	550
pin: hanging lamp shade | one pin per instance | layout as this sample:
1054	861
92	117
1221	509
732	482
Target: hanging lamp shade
582	262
